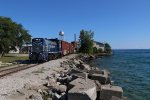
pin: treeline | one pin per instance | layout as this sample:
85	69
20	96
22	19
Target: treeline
107	49
12	34
86	40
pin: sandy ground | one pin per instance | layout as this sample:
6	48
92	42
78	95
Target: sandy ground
34	76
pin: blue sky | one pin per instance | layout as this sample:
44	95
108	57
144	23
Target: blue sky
125	24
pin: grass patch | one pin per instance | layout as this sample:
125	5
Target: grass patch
7	59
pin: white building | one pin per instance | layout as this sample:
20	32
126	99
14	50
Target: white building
98	45
13	51
25	49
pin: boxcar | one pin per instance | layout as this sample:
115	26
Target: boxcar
65	47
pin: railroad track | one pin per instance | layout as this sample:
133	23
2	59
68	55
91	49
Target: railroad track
13	69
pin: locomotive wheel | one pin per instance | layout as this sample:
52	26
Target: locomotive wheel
51	57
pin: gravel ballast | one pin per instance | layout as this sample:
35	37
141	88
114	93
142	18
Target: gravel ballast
33	76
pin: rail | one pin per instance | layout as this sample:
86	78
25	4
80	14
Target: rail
10	70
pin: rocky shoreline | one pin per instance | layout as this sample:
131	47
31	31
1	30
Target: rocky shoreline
73	79
83	82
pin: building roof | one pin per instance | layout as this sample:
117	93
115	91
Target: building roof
99	43
27	45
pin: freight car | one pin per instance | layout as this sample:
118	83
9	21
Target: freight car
47	49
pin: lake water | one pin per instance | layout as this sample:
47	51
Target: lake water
129	69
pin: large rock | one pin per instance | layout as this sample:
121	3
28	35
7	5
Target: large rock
101	75
98	85
81	89
115	98
35	97
84	66
76	62
103	72
81	75
108	92
78	73
59	88
51	82
62	80
75	70
92	57
56	96
103	79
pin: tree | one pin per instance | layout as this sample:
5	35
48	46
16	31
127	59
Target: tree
86	39
12	34
107	48
95	50
100	50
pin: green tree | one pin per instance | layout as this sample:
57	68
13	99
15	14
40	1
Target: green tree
95	50
12	34
86	39
107	48
100	50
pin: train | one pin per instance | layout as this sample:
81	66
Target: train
44	49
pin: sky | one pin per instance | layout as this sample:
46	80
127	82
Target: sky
124	24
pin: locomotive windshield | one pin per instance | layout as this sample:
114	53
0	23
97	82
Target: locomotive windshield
37	41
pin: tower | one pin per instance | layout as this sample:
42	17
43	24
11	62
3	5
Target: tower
75	38
61	35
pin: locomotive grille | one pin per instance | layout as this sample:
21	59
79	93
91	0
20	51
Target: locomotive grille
37	45
37	49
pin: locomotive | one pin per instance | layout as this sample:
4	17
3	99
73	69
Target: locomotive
44	49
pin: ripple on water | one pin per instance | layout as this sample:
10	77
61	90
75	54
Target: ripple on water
129	69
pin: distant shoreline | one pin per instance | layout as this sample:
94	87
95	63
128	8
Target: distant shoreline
130	49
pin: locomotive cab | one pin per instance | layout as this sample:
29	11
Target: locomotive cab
39	50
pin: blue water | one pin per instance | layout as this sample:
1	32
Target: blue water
129	69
